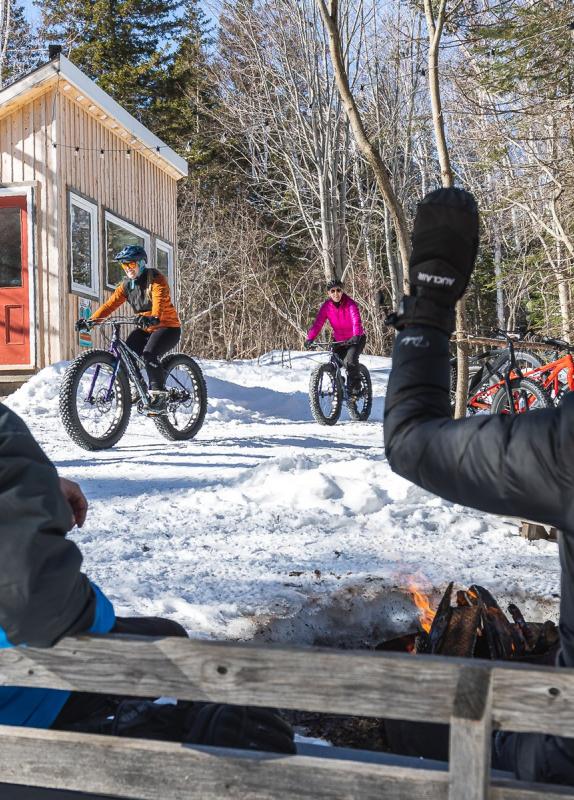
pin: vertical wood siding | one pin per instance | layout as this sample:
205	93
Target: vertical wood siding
136	189
27	155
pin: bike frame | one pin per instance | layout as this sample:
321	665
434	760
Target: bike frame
482	400
338	363
123	355
548	374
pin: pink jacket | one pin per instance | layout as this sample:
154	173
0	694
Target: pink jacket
345	319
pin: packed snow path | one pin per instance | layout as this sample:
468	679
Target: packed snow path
270	525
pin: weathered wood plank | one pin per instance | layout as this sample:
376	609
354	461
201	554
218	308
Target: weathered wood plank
527	699
367	684
515	790
471	735
361	683
146	770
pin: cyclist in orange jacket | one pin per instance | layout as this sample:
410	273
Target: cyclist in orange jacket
158	327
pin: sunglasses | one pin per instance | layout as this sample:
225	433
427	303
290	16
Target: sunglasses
336	290
129	264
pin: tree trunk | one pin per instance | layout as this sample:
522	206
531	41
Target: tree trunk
435	26
366	147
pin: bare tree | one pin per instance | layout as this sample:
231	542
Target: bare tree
330	16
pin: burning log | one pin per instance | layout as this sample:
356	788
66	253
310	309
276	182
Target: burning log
477	627
429	642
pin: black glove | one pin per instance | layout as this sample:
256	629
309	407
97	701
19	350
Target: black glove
243	727
144	321
82	324
309	344
445	241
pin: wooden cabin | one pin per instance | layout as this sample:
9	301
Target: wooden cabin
80	178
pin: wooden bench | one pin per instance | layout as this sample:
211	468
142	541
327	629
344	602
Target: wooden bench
474	697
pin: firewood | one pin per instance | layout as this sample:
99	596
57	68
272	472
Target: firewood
460	636
440	623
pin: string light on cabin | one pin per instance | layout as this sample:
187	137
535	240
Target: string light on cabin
126	151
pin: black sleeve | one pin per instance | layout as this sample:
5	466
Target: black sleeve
43	594
516	465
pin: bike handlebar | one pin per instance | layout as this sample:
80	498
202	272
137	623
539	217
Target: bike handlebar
330	345
112	321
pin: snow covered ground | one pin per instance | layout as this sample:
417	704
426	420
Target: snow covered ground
270	526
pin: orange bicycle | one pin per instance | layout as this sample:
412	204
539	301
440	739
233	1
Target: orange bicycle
555	377
515	392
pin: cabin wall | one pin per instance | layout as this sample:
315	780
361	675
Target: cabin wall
27	157
135	189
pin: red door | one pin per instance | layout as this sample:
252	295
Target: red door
14	282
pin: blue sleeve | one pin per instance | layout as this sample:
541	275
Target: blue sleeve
104	616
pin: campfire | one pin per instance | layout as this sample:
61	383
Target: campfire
467	623
476	627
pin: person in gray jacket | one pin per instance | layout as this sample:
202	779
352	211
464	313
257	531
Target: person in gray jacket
45	596
519	465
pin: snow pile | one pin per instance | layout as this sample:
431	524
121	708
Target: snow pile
268	525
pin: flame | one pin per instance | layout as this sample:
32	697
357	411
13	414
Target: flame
426	614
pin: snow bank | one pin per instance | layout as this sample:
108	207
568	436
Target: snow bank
268	525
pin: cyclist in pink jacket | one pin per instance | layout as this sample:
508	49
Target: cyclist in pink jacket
343	314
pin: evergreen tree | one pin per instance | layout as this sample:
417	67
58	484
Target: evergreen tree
20	54
122	44
185	97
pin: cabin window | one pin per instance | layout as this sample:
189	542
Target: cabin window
119	234
84	246
164	260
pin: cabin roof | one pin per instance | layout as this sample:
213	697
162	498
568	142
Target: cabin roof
61	71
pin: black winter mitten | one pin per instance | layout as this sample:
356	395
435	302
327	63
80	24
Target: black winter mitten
144	321
243	727
444	246
82	324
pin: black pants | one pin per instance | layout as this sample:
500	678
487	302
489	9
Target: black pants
87	712
152	346
350	355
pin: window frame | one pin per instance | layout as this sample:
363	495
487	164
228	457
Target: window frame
74	198
109	216
168	248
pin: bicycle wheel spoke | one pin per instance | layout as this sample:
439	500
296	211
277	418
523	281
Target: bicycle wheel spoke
98	401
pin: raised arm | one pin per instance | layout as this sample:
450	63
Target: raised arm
517	465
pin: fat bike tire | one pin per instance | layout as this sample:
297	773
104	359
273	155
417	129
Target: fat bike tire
533	393
69	412
360	410
187	425
324	378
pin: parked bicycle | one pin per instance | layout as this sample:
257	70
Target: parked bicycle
100	387
557	375
487	369
514	392
328	389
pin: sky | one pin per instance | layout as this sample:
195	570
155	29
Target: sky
210	7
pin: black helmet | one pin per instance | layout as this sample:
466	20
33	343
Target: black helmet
131	252
335	282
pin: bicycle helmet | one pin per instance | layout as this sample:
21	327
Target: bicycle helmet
131	252
334	283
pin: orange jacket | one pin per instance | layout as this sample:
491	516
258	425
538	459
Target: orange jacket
150	297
